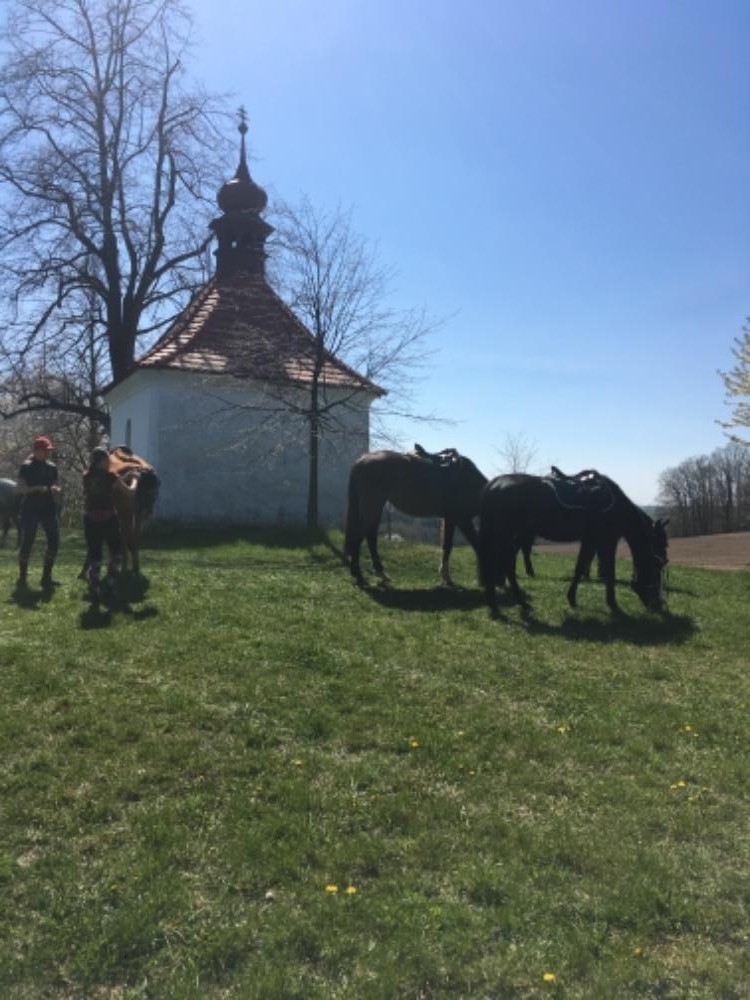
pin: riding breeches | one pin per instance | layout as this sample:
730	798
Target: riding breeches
97	533
30	521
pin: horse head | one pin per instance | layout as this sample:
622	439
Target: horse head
146	492
648	580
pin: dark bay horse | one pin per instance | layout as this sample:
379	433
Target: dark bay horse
445	485
10	504
516	506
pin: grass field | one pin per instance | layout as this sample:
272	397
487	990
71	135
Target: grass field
250	779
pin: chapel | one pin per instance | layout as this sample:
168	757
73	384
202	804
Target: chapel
217	405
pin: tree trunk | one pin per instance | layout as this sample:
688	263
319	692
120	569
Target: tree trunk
312	486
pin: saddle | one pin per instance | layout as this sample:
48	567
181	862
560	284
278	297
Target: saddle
441	459
587	490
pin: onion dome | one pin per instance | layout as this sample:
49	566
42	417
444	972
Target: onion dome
241	193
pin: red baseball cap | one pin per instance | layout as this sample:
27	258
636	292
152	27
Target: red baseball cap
43	442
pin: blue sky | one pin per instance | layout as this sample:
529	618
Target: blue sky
566	183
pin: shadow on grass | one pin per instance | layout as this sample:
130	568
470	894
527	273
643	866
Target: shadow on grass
28	598
661	630
435	599
130	588
654	630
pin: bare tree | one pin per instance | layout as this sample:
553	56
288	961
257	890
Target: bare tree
105	155
737	385
517	453
331	278
708	493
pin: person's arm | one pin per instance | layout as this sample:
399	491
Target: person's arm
23	488
127	484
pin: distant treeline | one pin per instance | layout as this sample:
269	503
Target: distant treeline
708	494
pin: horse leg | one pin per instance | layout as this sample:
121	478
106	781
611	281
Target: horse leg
447	530
526	547
372	544
354	543
508	561
607	566
583	563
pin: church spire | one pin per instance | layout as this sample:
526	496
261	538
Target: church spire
240	231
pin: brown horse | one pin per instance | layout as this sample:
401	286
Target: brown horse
445	485
133	507
136	506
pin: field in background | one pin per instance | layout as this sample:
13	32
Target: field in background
731	551
249	779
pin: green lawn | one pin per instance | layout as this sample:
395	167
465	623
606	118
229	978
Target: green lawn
250	779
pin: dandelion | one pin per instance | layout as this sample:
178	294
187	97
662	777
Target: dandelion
297	763
637	952
564	728
677	785
413	743
332	888
549	977
351	890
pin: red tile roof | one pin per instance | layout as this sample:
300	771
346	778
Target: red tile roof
240	327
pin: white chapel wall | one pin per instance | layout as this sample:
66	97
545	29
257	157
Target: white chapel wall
223	456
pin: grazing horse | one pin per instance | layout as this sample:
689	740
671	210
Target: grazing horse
591	509
446	485
10	503
582	484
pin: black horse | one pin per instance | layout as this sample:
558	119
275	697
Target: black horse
444	484
591	509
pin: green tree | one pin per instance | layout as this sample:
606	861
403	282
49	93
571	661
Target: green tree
737	385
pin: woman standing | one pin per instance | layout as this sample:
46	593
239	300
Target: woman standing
37	486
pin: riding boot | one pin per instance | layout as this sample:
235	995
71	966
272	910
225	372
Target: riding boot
114	566
47	581
93	578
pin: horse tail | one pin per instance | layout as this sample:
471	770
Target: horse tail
352	533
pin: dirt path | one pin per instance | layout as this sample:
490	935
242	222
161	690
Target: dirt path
707	551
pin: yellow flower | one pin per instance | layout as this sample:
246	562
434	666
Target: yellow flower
676	785
637	952
332	888
297	763
565	728
549	977
350	890
413	743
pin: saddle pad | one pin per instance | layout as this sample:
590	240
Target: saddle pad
592	494
123	460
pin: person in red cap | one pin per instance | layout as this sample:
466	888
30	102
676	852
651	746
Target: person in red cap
37	484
